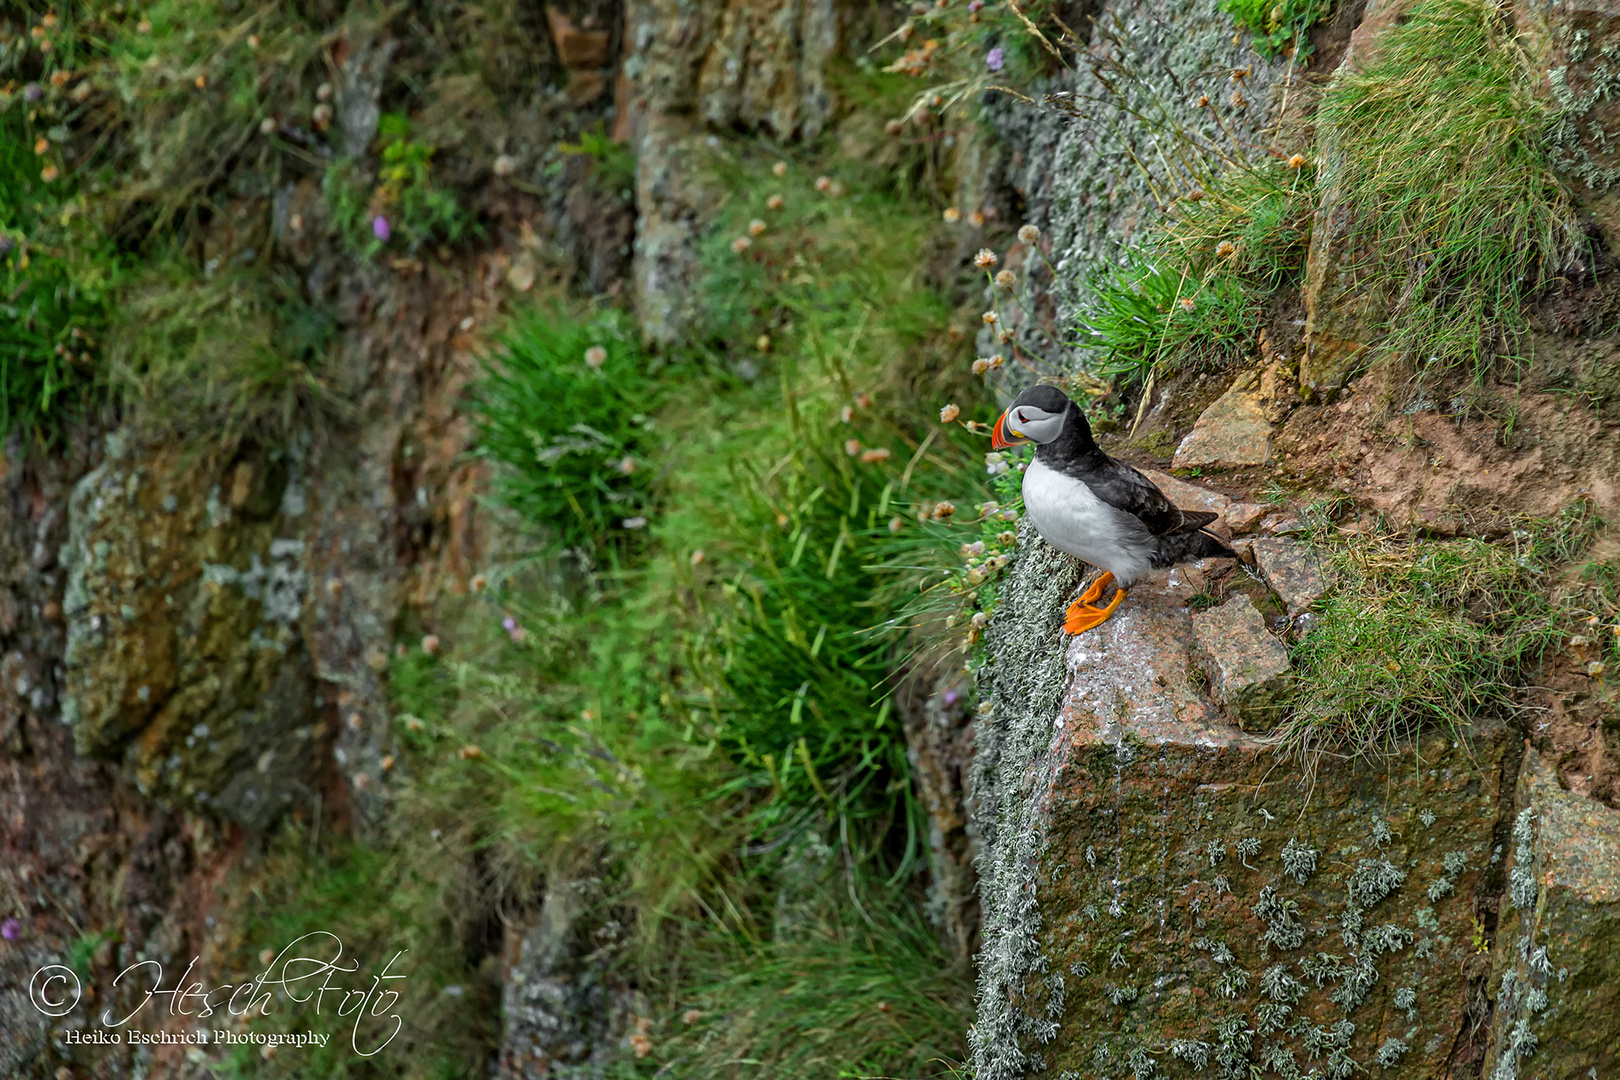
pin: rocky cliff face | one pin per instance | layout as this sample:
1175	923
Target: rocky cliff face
195	644
1162	895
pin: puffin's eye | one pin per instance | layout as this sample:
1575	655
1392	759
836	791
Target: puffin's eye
1022	419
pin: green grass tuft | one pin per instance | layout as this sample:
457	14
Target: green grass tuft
861	1001
1440	158
574	438
401	205
236	355
613	164
1150	314
399	905
1195	292
1417	635
683	726
57	279
806	686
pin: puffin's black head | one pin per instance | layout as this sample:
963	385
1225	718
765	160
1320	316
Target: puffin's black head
1040	414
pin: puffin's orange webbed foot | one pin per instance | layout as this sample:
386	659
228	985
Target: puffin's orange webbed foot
1083	614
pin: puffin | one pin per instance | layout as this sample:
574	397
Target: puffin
1096	508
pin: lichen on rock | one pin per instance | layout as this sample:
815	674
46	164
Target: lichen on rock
1557	1013
185	656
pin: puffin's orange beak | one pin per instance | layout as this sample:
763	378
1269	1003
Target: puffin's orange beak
1001	438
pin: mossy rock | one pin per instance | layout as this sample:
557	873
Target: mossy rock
1164	891
1557	974
184	657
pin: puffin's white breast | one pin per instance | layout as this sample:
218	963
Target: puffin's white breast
1071	518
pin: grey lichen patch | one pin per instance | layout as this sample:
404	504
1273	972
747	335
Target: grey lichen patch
1023	678
1280	986
1193	1051
1557	999
1516	1039
1454	863
1582	136
1372	880
1390	1054
1299	860
1281	916
1522	878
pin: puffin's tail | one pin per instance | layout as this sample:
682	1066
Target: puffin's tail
1184	547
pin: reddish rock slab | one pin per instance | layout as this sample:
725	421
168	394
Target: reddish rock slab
1188	496
1240	517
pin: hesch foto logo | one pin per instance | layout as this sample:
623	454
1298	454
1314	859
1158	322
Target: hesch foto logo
309	970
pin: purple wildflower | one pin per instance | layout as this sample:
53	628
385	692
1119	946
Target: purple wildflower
509	624
33	92
380	229
995	58
975	5
11	929
950	697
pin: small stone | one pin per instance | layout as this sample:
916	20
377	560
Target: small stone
1240	517
1291	571
1188	496
1436	520
1232	431
1245	664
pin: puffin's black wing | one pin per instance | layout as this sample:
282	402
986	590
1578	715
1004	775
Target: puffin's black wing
1121	486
